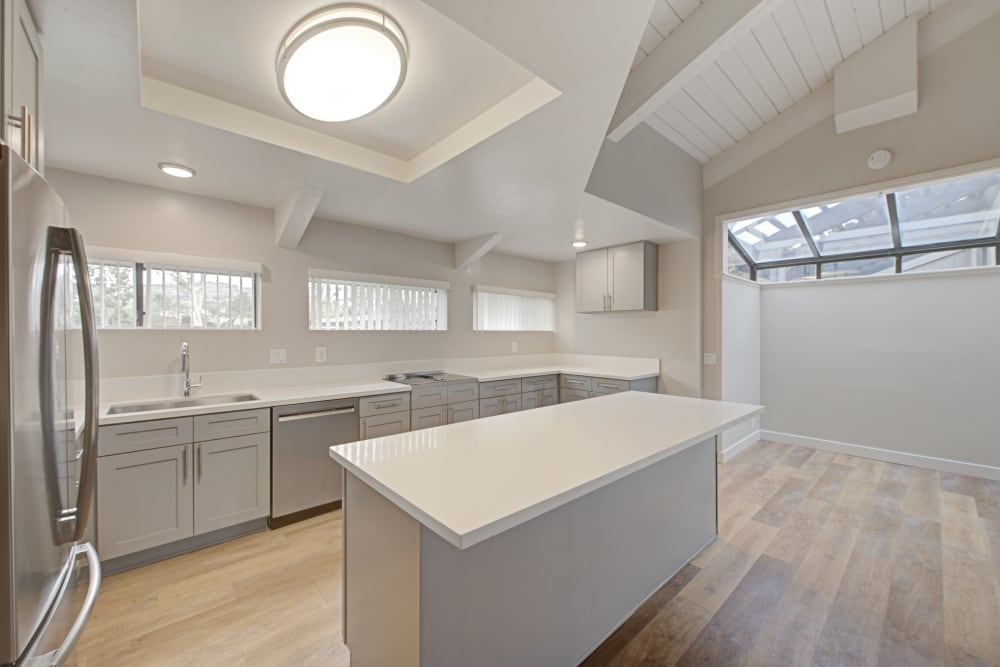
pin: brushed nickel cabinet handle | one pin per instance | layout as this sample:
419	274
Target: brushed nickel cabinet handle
200	468
184	465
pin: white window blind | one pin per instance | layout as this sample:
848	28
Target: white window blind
188	298
343	304
499	309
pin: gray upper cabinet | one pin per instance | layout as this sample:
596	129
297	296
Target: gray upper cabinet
615	279
232	481
22	83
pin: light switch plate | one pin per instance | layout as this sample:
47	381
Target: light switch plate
513	346
710	359
279	356
320	355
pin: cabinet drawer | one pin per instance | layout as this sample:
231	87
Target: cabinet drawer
378	426
462	393
605	386
428	396
499	388
384	404
463	412
579	382
137	436
231	424
570	395
538	383
429	417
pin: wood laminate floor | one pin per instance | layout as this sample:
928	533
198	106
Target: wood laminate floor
823	559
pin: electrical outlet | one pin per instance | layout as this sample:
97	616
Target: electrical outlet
279	355
756	422
320	355
513	346
710	359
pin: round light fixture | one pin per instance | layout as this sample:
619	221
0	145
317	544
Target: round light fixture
880	159
176	170
579	244
342	62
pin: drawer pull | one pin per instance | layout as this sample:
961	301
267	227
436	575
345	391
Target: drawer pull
575	382
383	406
609	386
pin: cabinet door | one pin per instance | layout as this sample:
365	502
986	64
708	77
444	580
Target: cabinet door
378	426
591	281
570	395
144	499
510	404
232	481
429	417
463	412
626	277
531	400
23	58
549	397
489	407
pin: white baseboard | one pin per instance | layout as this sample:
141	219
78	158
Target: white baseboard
727	454
887	455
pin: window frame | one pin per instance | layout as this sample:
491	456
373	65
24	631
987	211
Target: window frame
896	252
141	260
492	289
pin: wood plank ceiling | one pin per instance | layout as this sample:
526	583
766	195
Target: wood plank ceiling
790	54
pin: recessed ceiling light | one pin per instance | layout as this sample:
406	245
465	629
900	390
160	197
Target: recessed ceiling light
579	244
178	170
342	62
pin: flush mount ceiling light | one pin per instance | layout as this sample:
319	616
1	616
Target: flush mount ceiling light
176	170
342	62
579	244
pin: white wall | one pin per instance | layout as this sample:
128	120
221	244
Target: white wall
118	214
908	364
740	352
672	333
956	125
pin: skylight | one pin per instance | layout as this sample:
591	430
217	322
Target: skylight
941	225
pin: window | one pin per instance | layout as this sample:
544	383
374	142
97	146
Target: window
500	309
942	225
360	302
142	290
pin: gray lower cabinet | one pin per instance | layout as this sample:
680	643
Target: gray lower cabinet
156	486
378	426
570	395
539	399
232	481
490	407
144	499
428	417
463	412
577	387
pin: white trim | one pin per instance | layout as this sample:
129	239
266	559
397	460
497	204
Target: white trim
490	289
888	277
174	259
887	455
742	281
730	452
350	276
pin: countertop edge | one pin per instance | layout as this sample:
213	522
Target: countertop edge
503	524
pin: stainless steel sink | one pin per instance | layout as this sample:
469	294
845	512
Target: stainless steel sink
174	403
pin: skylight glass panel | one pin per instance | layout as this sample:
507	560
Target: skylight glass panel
771	238
958	210
853	225
966	258
854	268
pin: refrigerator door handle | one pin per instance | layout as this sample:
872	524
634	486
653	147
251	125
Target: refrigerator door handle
71	522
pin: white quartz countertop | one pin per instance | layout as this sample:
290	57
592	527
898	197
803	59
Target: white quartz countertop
473	480
267	398
484	375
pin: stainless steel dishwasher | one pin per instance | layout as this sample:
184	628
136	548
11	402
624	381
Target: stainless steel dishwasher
304	479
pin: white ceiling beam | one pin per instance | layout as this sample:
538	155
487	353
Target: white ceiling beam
292	216
469	252
707	32
934	31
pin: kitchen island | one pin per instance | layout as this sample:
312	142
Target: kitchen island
524	539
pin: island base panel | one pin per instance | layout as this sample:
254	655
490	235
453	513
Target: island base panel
546	592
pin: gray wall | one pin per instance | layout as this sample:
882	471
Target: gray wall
956	125
740	352
118	214
902	363
671	333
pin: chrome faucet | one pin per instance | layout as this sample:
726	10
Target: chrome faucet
186	369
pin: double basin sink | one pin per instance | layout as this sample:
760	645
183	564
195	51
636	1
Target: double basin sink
174	403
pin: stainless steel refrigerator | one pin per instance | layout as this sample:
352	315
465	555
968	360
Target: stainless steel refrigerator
49	572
